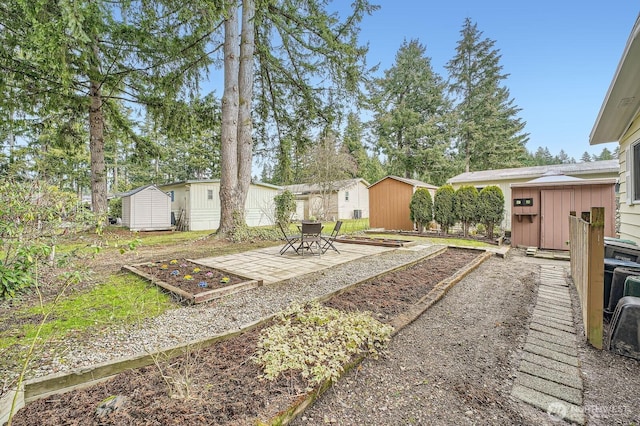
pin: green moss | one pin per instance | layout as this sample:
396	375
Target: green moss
123	299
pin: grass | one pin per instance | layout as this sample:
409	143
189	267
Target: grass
123	299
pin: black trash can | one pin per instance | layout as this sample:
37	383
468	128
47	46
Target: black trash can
620	275
609	265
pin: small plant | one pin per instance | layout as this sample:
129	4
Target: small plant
188	277
285	207
318	341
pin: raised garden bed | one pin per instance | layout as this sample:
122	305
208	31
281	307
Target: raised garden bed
373	241
218	384
192	282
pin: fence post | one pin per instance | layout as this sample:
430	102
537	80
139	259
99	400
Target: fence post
595	280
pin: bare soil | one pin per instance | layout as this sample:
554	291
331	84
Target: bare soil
189	276
220	384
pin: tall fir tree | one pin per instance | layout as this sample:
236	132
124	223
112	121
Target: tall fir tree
411	113
489	132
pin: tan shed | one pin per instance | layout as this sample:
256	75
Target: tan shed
389	200
540	209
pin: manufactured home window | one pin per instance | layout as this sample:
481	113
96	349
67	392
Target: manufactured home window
209	194
346	195
634	167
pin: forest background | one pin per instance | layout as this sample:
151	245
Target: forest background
100	97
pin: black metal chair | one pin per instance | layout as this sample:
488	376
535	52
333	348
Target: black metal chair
328	240
311	238
291	241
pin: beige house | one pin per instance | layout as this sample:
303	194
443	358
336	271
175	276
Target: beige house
341	199
619	121
504	178
195	204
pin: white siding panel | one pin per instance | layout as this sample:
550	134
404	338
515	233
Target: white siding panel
126	211
260	207
629	213
204	213
358	200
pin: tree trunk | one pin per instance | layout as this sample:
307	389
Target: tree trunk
229	130
245	127
96	148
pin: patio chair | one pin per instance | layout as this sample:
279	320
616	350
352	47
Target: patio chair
311	238
327	240
290	240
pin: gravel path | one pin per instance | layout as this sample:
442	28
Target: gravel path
197	322
454	365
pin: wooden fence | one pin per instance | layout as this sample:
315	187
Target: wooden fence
586	243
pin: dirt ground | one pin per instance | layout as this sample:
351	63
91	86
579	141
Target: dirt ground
454	365
219	385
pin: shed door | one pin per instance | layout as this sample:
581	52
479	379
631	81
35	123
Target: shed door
555	206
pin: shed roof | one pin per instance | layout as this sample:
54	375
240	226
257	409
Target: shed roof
605	166
563	181
412	182
622	101
310	188
139	189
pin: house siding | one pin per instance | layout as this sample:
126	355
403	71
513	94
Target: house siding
358	200
629	212
202	213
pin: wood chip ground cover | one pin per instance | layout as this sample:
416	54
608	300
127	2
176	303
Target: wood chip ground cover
219	384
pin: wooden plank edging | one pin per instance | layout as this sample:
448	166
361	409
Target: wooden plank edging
58	383
437	293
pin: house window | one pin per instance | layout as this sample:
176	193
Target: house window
346	195
634	168
209	194
172	195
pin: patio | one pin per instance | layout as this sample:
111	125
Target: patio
267	264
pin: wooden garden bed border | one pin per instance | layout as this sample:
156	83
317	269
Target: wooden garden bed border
57	383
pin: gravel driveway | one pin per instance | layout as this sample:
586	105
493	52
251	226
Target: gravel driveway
456	363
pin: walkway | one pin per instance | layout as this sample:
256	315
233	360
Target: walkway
549	374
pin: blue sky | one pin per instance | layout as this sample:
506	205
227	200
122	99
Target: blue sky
560	55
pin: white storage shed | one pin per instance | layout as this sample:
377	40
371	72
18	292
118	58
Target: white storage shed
146	209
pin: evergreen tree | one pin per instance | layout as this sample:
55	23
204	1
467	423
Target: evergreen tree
293	45
82	60
490	208
489	134
605	155
542	157
352	143
444	212
466	207
421	208
410	113
586	157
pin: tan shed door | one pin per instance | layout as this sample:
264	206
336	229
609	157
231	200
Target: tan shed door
555	206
